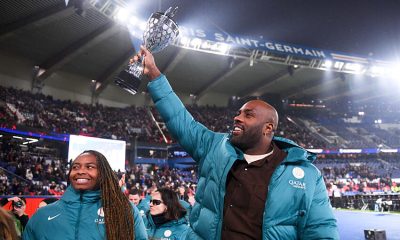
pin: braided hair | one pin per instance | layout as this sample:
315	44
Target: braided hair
118	212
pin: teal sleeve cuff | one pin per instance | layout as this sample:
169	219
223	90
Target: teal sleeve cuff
159	88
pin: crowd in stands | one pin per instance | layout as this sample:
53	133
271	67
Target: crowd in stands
23	110
31	172
350	174
37	112
43	113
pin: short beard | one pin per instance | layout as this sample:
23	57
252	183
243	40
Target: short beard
248	140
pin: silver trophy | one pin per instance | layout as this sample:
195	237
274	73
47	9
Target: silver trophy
160	31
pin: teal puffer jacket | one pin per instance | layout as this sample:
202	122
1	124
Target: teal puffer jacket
172	230
75	216
297	204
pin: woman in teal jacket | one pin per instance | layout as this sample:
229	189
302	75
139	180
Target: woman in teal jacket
166	217
297	204
93	207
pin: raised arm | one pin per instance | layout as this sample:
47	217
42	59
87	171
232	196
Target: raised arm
193	136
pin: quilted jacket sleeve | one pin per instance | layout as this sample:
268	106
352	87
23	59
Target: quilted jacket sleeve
194	137
321	223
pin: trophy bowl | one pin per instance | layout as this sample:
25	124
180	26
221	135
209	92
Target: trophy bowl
161	30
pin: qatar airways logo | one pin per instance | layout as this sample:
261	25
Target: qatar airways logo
100	219
298	173
297	184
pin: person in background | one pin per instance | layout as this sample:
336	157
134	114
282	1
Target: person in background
252	185
7	226
93	207
166	217
183	193
134	196
142	204
18	207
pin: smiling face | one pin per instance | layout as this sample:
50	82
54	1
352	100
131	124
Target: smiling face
84	172
253	127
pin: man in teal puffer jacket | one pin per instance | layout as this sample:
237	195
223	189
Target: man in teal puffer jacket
252	185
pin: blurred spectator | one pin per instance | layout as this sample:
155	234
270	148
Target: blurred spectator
166	218
134	196
18	207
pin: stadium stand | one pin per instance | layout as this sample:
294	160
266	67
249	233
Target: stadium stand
353	180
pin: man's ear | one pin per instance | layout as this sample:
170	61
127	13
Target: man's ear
269	127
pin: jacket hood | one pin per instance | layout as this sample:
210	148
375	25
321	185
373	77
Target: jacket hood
181	220
73	196
294	151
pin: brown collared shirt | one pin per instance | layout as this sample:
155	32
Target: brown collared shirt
246	194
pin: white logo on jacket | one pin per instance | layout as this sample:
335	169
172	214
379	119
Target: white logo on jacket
141	213
100	212
297	184
298	173
52	217
167	233
100	219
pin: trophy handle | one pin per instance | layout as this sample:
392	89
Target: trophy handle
171	13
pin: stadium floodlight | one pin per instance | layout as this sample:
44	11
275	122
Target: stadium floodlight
205	45
184	40
389	150
327	64
316	150
133	20
338	65
350	150
195	42
376	71
30	140
122	15
142	25
223	47
354	67
394	71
